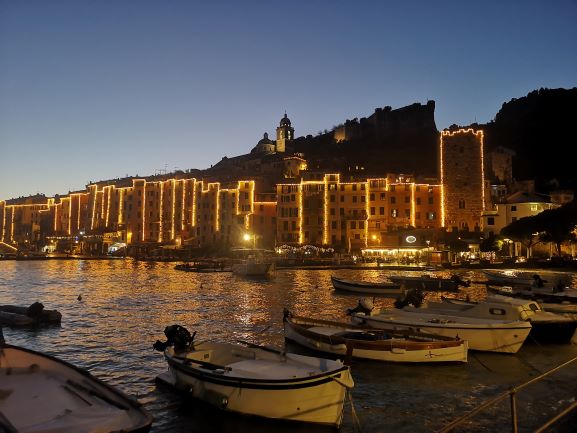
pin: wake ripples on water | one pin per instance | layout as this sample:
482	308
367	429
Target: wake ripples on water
125	306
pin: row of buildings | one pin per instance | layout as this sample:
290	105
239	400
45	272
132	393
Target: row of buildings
381	213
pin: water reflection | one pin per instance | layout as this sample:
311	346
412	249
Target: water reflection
126	305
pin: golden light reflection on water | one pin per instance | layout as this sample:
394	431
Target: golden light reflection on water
126	305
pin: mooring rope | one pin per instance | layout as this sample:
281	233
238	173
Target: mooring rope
356	421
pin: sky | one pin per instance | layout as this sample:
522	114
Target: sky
100	89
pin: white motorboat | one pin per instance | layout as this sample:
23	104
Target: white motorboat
482	334
40	393
547	327
257	380
348	340
553	295
363	287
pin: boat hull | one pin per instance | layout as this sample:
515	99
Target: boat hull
394	350
428	284
253	269
553	332
383	289
317	399
502	337
45	394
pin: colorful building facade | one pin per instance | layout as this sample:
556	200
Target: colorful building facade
323	211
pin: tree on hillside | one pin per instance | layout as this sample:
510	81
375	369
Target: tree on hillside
524	230
558	225
491	244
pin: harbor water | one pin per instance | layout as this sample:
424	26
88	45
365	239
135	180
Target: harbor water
114	310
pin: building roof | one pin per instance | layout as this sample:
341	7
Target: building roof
527	197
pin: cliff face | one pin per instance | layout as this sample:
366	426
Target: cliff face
404	140
540	128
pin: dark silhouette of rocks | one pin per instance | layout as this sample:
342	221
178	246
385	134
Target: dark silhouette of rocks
540	128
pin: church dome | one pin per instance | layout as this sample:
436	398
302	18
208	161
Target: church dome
285	121
265	145
265	140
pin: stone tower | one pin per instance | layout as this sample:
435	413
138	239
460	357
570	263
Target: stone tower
462	178
284	134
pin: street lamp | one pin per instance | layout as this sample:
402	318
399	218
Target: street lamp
247	237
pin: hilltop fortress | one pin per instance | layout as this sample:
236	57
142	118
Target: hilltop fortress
384	182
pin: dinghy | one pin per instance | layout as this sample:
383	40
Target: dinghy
255	380
40	393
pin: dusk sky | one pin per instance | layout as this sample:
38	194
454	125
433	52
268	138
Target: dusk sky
95	90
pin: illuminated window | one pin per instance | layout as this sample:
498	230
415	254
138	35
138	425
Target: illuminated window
394	213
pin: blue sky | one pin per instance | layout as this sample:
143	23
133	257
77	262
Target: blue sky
94	90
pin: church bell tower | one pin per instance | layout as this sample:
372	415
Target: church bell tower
284	134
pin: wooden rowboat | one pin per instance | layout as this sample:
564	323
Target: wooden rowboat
349	340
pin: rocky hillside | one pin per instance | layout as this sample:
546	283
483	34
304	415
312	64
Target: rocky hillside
541	129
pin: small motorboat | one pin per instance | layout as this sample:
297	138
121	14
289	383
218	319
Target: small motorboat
491	335
203	266
512	278
255	380
34	315
430	283
383	288
392	345
250	268
553	295
547	327
40	393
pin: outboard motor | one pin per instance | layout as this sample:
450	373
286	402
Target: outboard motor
537	281
460	281
413	297
364	306
177	336
34	311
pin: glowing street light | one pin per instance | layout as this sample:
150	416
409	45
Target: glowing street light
247	237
